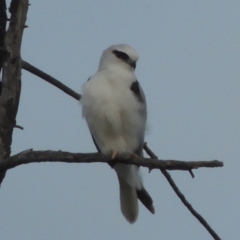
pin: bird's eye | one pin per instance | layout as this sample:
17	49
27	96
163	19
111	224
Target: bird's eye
121	55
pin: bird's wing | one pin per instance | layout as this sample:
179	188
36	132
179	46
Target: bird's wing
95	143
142	194
140	97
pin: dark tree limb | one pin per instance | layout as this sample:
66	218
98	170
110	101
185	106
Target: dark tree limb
182	197
30	68
30	156
11	80
3	22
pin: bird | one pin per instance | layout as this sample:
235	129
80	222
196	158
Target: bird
114	107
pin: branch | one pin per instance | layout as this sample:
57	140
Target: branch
30	68
182	197
30	156
3	23
11	80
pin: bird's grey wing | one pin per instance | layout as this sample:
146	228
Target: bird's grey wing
139	94
95	143
98	149
142	194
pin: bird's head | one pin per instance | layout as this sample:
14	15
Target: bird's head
120	55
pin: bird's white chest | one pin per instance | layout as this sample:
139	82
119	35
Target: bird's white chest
112	113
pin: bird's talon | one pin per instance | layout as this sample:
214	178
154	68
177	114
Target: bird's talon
114	154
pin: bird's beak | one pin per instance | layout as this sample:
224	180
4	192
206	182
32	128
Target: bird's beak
132	64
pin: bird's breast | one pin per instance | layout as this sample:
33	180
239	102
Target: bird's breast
112	113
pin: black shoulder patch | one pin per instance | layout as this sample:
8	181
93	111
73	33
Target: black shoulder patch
88	79
136	89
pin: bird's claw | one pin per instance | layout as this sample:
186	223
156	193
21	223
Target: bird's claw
114	155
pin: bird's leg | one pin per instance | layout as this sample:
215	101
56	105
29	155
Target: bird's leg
114	154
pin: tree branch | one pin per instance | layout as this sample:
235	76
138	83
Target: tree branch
30	156
182	197
11	82
30	68
3	22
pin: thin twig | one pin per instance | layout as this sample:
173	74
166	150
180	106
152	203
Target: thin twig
182	197
19	127
191	173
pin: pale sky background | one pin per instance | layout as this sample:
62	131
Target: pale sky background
189	68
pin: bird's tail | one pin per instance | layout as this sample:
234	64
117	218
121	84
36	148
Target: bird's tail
132	189
128	200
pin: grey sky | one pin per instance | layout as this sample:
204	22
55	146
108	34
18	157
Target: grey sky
189	69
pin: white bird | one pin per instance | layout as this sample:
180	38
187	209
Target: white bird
114	107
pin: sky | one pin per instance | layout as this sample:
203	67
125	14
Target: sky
189	70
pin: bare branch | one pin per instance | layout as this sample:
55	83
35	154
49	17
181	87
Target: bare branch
3	22
11	80
31	156
182	197
19	127
30	68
